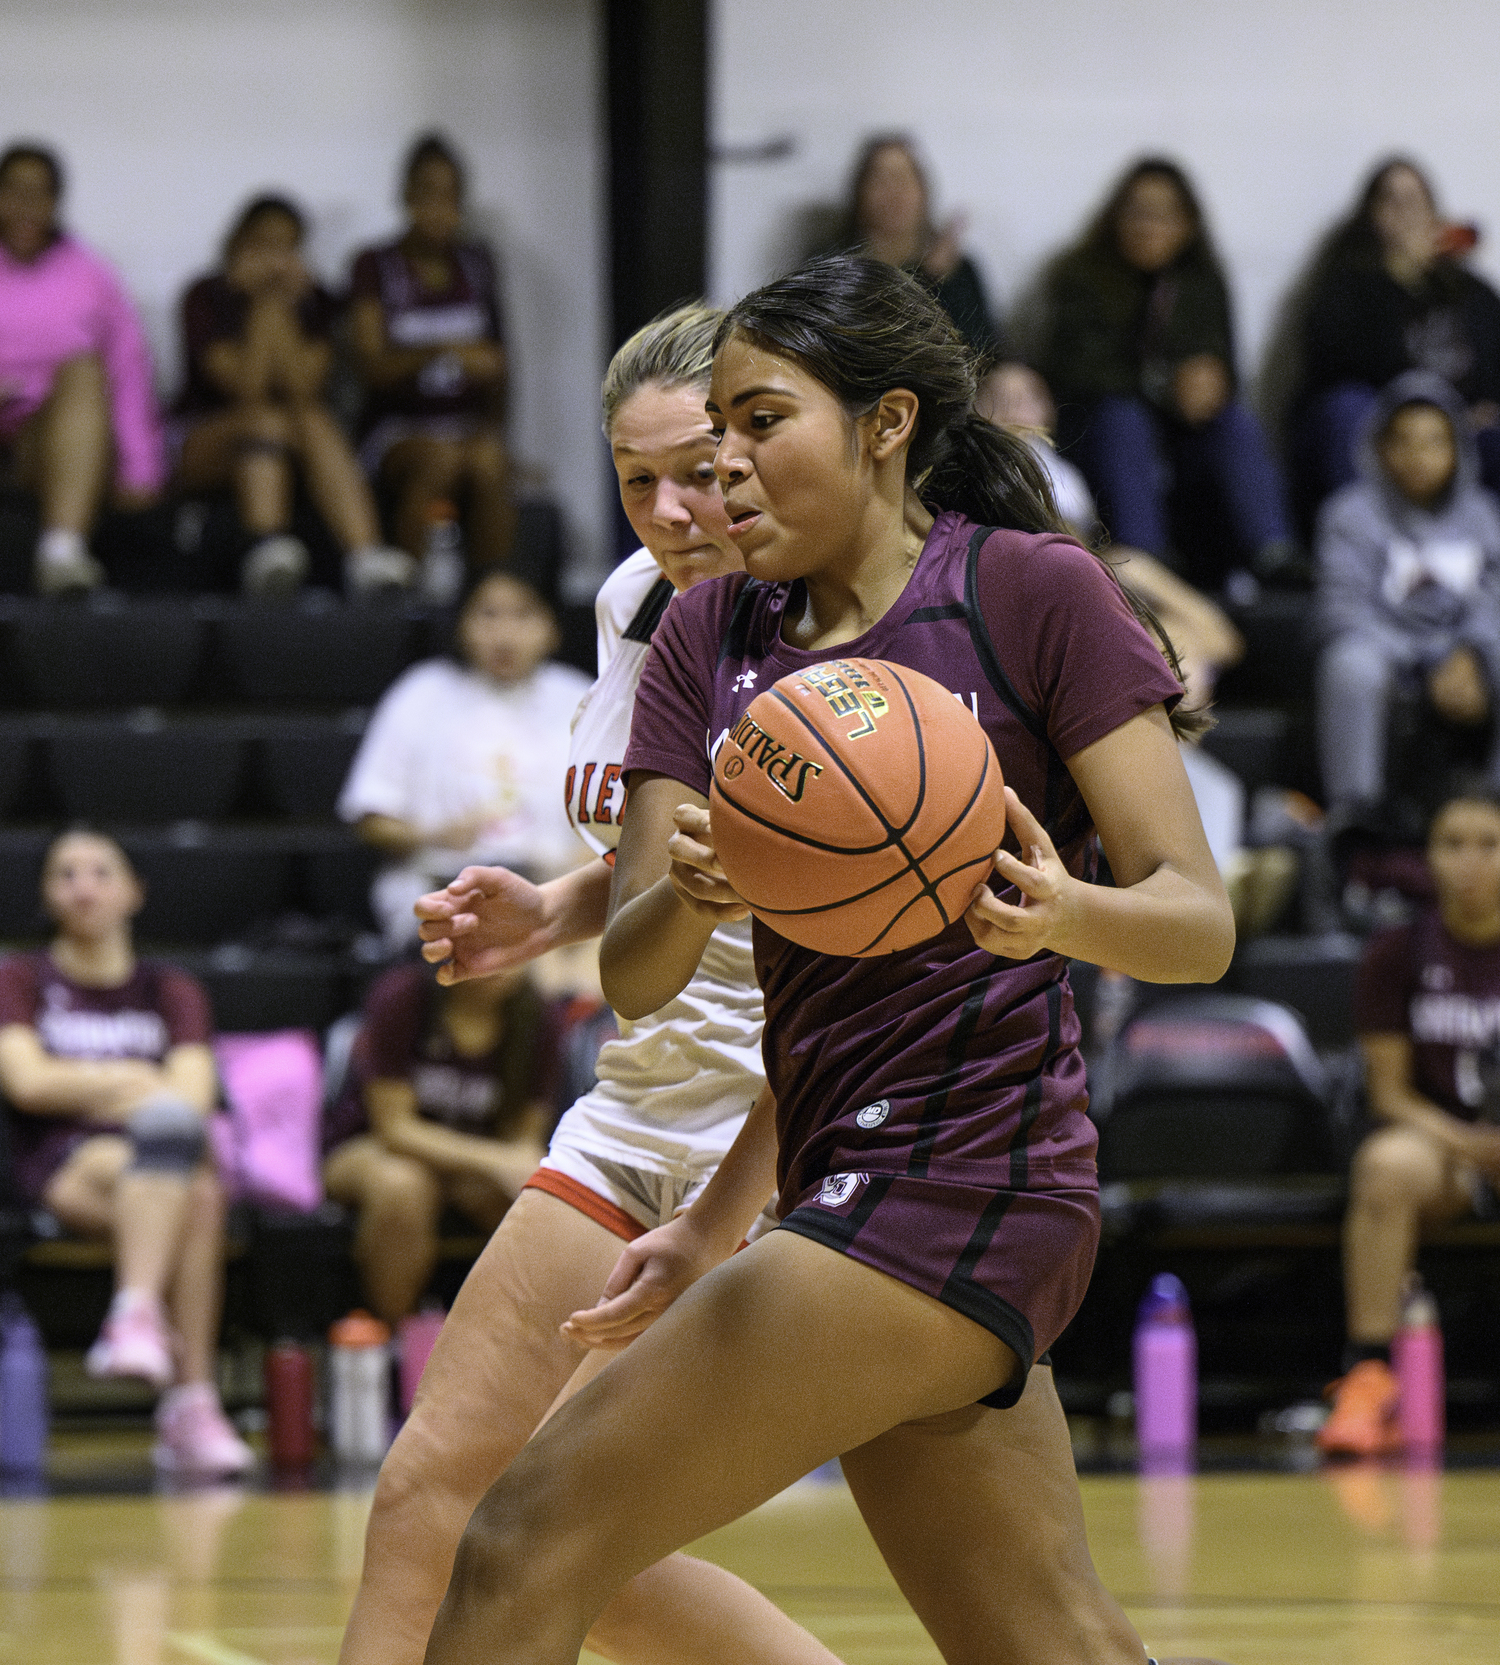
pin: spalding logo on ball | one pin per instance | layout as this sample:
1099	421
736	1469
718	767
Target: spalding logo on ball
855	806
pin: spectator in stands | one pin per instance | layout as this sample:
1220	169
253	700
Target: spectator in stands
109	1080
450	1099
77	408
257	351
430	348
1140	353
1427	1009
1408	588
890	217
1389	294
459	763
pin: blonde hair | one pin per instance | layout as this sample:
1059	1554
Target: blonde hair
676	349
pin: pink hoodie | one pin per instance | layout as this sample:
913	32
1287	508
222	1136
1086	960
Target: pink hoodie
70	301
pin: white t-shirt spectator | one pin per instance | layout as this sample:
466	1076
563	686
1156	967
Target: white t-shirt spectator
446	743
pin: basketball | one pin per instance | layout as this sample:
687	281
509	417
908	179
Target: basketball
855	806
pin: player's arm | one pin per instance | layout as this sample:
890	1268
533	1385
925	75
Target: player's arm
1167	919
189	1072
37	1084
1392	1096
669	894
398	1124
381	363
490	919
655	1269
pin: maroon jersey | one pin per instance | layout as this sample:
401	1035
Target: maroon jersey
214	310
154	1010
403	1038
943	1063
1444	996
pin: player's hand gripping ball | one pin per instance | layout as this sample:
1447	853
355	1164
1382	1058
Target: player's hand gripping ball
855	806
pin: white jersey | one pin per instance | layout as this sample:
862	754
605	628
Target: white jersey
675	1087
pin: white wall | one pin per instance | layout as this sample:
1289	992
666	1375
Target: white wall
168	113
1028	108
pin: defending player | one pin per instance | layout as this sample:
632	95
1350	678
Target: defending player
926	1257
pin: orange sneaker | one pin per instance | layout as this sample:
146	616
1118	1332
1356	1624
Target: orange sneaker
1363	1423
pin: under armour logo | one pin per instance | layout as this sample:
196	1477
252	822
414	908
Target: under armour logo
746	679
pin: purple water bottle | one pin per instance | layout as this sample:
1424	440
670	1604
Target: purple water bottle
23	1390
1166	1370
1417	1355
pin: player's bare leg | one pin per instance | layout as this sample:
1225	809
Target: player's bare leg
784	1356
498	1365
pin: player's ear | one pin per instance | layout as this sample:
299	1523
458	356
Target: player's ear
893	423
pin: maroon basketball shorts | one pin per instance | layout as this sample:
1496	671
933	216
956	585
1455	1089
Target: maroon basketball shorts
1017	1262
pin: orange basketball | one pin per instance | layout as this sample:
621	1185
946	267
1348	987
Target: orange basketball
855	806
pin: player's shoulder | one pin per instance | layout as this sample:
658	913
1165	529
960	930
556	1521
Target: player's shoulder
1041	568
621	594
1396	948
173	982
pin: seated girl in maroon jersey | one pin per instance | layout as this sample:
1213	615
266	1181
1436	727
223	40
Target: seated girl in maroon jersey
449	1100
256	354
938	1199
430	351
106	1069
1427	1009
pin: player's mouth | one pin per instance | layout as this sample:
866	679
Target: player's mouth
741	519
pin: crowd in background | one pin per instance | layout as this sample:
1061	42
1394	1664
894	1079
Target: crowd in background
1130	393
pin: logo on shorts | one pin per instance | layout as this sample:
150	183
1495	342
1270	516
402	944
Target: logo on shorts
838	1188
874	1114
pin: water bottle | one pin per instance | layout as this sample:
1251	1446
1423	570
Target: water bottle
23	1390
418	1336
289	1405
1166	1370
442	556
359	1370
1417	1355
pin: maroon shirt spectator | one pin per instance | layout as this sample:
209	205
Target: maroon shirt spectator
157	1009
214	310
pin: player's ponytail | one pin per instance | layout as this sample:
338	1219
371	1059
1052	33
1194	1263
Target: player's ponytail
861	328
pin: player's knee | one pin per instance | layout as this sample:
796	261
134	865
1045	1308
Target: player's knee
266	429
401	1190
167	1136
1391	1168
81	374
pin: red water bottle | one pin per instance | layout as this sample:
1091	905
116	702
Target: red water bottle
289	1404
1417	1356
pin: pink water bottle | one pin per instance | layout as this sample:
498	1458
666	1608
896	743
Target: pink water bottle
1166	1370
1417	1354
417	1337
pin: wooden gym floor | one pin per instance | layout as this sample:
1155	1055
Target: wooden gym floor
1361	1566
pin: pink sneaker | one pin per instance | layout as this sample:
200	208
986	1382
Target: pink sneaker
195	1437
134	1341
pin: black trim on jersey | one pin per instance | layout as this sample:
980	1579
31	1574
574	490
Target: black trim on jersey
1031	1105
984	645
648	615
936	1105
932	615
838	1231
985	1307
736	641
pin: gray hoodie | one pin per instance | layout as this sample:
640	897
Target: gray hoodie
1422	581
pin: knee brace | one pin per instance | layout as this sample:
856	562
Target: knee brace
167	1136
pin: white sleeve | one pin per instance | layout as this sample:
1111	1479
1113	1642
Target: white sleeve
382	777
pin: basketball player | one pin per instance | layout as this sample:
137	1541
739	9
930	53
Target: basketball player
672	1094
938	1195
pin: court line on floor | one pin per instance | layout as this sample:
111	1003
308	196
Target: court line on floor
208	1651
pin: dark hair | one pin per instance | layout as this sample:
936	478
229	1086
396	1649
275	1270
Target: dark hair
262	208
1465	786
83	829
861	328
431	147
864	161
39	154
1355	241
1101	238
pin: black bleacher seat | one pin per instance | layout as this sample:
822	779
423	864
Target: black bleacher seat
208	884
337	872
21	852
259	989
102	654
142	768
304	761
1313	975
316	652
1254	742
15	760
1277	668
